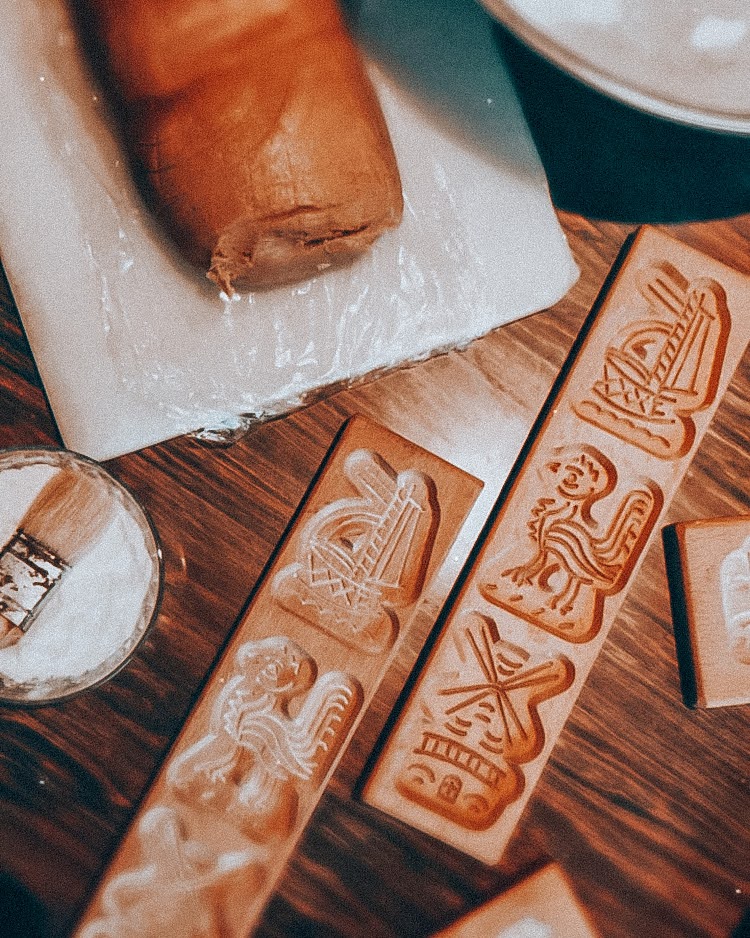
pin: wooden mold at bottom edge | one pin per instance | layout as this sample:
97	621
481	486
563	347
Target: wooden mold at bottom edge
541	906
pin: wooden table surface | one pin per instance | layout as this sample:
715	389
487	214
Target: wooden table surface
644	804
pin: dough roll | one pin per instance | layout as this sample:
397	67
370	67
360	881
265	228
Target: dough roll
253	129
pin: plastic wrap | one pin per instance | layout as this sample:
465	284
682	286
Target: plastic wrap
134	347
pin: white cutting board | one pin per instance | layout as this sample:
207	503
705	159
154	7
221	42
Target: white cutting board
134	347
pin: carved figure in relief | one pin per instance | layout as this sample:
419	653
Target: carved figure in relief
481	726
577	558
362	558
734	574
663	369
256	753
178	890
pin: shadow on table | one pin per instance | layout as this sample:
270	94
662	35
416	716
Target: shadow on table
608	161
21	914
743	927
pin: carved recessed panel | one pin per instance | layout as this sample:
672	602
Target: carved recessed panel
231	797
734	577
582	540
483	724
660	370
178	885
581	506
256	754
362	559
232	800
708	563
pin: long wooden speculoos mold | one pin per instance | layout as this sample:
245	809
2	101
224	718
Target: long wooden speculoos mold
581	506
228	806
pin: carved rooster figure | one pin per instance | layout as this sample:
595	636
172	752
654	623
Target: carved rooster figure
257	753
577	559
204	847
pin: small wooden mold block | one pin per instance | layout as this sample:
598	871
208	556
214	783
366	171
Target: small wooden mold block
541	906
568	533
243	777
708	563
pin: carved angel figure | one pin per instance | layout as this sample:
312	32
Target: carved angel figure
256	752
577	558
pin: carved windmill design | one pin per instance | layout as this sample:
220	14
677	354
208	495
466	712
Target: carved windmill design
663	368
362	558
466	765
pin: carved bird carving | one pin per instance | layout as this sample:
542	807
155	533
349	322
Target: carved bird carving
255	749
573	549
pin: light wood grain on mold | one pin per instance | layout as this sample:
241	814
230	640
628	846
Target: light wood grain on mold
541	906
709	567
583	503
245	774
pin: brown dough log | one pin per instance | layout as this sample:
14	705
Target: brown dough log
261	142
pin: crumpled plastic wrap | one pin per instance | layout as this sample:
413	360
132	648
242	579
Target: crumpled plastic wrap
134	347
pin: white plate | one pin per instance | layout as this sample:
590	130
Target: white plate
685	61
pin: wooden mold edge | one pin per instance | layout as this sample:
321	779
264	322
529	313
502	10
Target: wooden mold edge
542	904
231	800
505	644
710	608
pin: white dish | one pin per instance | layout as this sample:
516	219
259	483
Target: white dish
685	61
101	607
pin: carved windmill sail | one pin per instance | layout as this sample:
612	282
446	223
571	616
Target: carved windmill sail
665	367
361	558
466	764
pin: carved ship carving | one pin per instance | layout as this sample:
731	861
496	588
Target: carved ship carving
664	368
361	559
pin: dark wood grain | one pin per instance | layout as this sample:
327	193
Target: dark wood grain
644	802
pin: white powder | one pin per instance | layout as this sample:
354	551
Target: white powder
548	13
715	33
101	606
527	928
